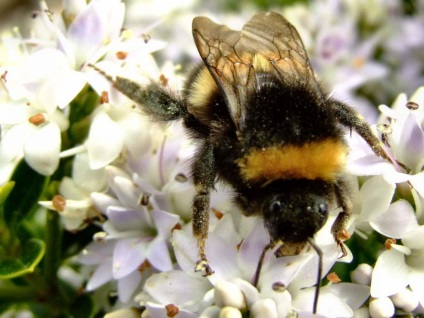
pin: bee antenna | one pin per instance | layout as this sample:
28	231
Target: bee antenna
260	263
319	274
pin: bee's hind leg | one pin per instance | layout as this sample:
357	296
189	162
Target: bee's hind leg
203	172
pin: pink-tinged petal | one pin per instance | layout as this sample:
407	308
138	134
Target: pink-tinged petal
176	287
159	311
186	251
105	141
281	270
96	252
158	255
103	201
164	221
369	165
128	194
127	285
414	239
353	294
101	275
416	282
417	182
376	194
307	276
411	147
329	305
128	255
42	149
396	221
225	229
252	247
390	274
124	219
222	258
86	33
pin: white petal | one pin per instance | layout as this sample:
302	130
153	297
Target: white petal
417	182
390	274
14	113
353	294
42	149
86	178
416	282
105	141
376	196
103	201
185	248
414	239
136	130
329	305
176	287
396	221
60	90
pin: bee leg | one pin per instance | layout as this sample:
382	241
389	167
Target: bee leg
204	172
348	117
338	229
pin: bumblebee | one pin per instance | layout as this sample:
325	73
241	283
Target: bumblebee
264	125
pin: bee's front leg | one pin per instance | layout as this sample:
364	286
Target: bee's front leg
204	172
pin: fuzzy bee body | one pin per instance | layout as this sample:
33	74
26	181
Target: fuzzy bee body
265	126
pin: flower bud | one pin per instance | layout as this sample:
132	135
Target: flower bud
264	308
229	294
362	274
230	312
405	300
381	308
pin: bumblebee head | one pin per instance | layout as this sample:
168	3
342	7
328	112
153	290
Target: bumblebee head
293	221
296	213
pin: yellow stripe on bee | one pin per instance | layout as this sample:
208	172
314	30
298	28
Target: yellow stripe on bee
316	160
202	88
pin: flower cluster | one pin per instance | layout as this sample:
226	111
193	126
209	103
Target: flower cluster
115	191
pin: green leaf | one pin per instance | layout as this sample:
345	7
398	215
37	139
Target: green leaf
29	186
32	254
5	191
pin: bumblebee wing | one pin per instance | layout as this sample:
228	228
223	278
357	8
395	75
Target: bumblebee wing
267	43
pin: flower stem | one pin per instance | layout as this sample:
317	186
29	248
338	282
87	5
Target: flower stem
53	243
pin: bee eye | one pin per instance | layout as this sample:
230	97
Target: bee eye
275	207
322	208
